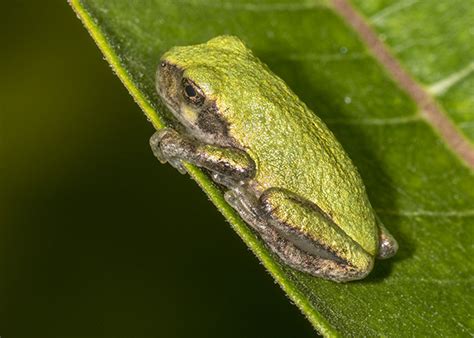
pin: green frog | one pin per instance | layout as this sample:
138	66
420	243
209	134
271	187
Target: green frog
283	170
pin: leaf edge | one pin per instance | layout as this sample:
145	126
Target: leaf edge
257	247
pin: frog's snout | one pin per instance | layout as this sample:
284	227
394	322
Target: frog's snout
167	83
161	79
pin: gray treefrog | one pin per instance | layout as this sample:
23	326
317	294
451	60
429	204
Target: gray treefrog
283	170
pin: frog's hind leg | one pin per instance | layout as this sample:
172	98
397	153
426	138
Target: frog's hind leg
288	215
250	209
388	245
296	250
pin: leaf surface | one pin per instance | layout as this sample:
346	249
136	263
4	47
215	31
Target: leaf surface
419	187
439	53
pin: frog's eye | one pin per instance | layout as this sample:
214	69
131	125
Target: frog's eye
192	93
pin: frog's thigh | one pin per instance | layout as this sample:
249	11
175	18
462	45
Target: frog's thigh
307	255
388	245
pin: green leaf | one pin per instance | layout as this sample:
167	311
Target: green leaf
439	53
419	187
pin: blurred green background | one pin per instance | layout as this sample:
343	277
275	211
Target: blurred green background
89	218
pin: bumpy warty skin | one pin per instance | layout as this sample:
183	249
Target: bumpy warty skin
291	146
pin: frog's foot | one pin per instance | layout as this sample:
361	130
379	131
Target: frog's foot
287	214
224	180
156	142
388	246
246	207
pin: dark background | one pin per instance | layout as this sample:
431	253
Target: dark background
96	237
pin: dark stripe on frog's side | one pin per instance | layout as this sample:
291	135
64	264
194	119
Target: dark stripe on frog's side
293	235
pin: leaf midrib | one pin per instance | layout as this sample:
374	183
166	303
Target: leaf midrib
428	108
292	285
289	286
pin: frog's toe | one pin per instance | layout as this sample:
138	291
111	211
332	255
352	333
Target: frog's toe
388	245
155	142
178	165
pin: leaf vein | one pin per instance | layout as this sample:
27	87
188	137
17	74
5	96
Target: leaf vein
427	213
376	121
254	7
443	85
392	9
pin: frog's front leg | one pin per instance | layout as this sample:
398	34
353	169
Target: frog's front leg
309	240
232	163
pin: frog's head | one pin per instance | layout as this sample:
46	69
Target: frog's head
202	84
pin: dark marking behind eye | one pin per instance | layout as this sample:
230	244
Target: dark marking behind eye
211	122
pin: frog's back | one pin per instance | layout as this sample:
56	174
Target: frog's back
291	146
296	151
